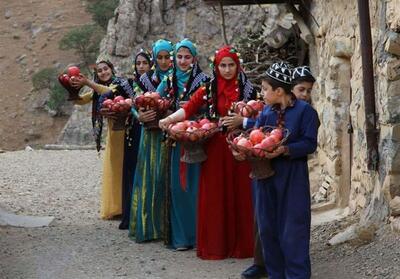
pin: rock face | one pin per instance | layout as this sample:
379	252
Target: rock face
78	130
138	23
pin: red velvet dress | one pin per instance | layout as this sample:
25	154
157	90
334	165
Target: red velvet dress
225	211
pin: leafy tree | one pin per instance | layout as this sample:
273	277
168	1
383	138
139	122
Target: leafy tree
85	40
56	98
45	78
102	11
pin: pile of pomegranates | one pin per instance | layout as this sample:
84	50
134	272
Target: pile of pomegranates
251	109
192	131
152	100
118	104
258	141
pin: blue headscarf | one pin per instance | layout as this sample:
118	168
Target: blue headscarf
158	46
181	76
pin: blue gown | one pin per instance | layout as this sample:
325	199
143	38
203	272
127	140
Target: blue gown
282	202
182	202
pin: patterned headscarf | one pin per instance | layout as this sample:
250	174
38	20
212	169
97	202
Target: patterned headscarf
153	78
181	84
237	88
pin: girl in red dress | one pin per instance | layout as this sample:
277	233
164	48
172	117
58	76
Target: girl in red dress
225	212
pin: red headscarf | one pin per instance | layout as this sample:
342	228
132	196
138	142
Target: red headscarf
228	90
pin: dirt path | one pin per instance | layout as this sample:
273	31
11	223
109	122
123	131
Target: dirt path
65	184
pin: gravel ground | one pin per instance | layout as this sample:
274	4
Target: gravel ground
78	244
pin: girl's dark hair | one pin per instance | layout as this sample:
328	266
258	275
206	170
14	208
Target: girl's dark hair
275	84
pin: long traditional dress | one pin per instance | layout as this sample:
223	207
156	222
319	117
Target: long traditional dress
113	155
283	200
148	193
111	194
184	178
225	211
131	147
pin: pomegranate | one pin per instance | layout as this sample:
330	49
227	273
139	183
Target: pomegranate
108	103
178	127
73	71
203	121
118	99
154	95
246	111
278	133
256	136
245	143
268	144
128	102
239	105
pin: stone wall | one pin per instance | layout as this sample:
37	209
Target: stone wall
336	60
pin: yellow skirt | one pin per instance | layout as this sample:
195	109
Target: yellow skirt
111	193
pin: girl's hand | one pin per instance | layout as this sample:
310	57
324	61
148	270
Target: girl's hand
232	121
164	123
79	81
147	116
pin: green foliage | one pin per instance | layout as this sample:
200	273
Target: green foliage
56	97
44	78
102	11
85	40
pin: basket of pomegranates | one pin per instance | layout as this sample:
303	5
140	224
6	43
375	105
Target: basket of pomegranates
255	144
251	109
152	101
64	80
117	110
192	135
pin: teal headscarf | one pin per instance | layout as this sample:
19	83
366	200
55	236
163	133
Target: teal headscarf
158	46
181	76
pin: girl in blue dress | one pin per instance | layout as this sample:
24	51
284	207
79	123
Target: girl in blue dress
184	178
282	202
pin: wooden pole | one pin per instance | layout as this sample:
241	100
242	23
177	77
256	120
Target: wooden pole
223	27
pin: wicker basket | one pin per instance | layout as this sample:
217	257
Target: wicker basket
118	118
193	143
193	153
119	123
261	168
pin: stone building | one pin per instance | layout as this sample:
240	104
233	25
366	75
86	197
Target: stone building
341	177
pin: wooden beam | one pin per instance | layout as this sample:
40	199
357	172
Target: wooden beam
250	2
